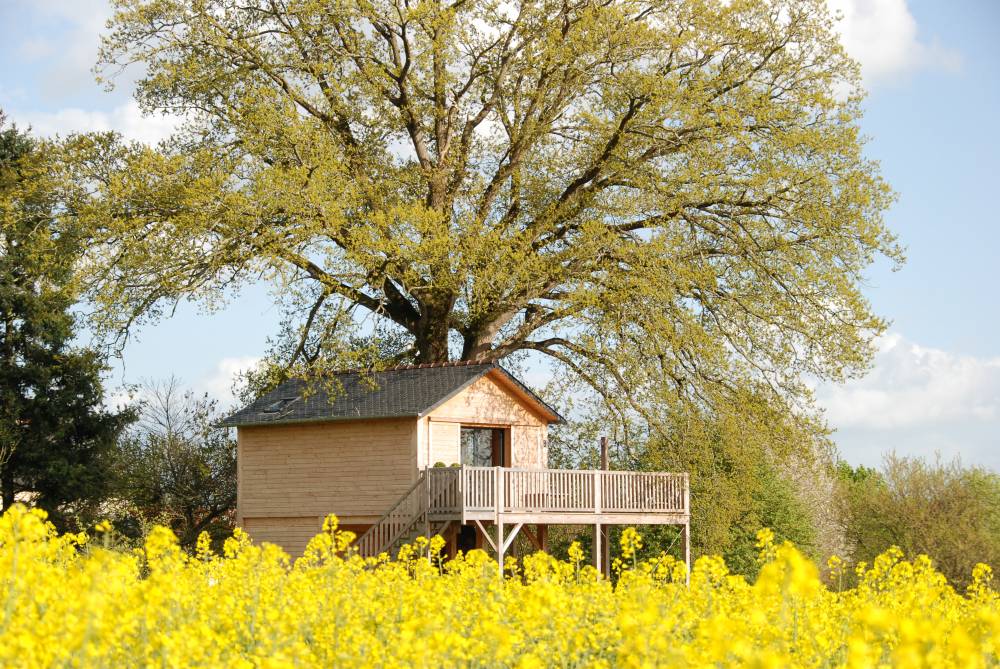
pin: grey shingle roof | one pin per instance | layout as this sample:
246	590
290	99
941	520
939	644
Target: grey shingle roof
398	392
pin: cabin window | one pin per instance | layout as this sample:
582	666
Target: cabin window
482	446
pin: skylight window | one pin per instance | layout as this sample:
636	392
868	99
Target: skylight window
275	407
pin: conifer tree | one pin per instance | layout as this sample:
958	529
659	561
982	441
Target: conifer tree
55	435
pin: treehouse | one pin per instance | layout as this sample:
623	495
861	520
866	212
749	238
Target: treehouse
456	449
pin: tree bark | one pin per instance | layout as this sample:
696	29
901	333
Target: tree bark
478	345
432	332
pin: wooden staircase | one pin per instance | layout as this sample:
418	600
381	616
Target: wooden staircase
415	514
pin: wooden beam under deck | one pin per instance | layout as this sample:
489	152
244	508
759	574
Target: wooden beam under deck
556	518
552	518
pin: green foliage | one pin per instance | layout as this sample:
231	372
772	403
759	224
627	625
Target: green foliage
934	507
55	436
668	199
176	468
737	486
774	505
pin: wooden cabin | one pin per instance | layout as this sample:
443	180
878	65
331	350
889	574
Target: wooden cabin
456	449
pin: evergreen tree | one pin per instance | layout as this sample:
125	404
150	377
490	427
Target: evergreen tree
55	437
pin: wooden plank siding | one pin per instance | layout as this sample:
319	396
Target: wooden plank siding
445	442
488	402
292	533
356	469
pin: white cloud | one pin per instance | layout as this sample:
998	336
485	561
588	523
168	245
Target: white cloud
918	400
913	385
120	398
127	119
61	55
69	51
219	382
883	36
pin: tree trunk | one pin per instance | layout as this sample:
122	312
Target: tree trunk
432	331
432	346
478	346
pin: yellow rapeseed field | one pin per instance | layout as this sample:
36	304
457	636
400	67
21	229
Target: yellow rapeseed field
69	601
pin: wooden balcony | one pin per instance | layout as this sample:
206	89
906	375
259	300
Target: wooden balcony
508	499
557	496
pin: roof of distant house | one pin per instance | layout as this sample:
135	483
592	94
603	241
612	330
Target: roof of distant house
398	392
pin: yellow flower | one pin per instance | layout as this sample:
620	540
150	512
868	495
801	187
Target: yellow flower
631	542
252	607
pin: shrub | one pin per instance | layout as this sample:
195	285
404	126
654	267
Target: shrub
934	507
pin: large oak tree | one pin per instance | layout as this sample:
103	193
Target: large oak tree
668	197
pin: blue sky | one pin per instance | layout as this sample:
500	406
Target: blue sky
933	71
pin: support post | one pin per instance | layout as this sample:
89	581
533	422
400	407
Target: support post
543	538
686	545
598	549
605	466
498	493
427	512
499	497
483	534
462	487
687	525
501	549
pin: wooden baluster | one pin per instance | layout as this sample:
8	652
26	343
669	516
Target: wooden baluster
598	480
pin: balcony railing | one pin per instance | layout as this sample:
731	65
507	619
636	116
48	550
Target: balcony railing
471	491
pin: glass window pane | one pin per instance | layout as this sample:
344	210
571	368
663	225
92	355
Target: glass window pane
477	446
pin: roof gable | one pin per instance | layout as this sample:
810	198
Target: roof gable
393	393
490	400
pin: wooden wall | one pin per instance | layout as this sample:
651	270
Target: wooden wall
289	477
487	403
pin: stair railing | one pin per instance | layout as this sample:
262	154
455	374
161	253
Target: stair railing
397	521
434	490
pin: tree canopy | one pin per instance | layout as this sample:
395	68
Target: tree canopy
669	198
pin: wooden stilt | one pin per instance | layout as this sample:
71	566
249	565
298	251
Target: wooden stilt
485	535
532	537
501	548
686	546
687	526
543	538
605	544
598	551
